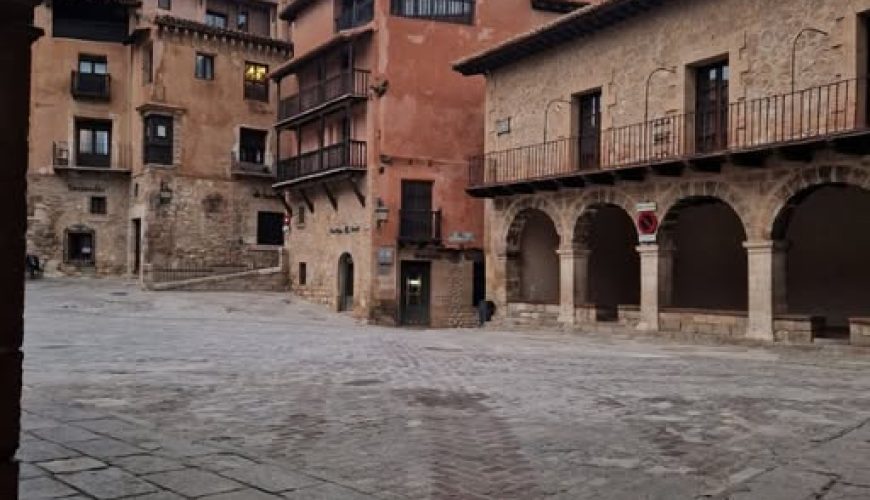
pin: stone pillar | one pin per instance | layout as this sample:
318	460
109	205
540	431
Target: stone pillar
18	35
573	283
498	281
656	283
766	262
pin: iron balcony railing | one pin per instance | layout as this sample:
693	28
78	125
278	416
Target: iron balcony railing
420	226
91	86
250	162
347	83
349	154
453	11
357	14
118	159
812	113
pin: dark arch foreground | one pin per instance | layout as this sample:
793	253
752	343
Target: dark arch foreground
610	236
533	261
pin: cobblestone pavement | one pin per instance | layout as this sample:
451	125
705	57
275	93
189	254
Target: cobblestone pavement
246	396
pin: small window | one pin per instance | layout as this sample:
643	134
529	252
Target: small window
204	66
93	143
300	217
164	4
93	65
242	21
252	146
158	140
256	82
99	205
148	64
270	228
216	20
303	273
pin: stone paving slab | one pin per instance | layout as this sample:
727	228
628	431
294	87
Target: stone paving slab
193	482
270	478
72	465
43	487
109	483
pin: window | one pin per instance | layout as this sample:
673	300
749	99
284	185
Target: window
711	107
91	77
303	273
93	65
148	64
300	217
252	146
80	247
589	128
158	140
242	21
256	82
99	205
216	19
93	143
455	11
164	4
204	66
270	228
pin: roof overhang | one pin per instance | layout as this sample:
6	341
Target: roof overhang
560	6
580	23
186	25
292	9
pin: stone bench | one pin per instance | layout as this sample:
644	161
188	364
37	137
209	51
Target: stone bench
797	328
725	323
859	331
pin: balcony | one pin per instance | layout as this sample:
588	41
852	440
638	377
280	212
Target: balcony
245	164
793	124
117	162
311	98
356	14
91	86
349	156
420	227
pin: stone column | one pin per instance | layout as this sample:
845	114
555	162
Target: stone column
573	283
18	34
498	280
656	283
766	262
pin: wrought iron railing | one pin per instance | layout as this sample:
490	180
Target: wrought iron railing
119	158
347	83
349	154
455	11
812	113
91	86
253	163
358	13
419	226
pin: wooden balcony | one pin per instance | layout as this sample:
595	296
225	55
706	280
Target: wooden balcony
91	86
320	164
319	96
793	124
359	13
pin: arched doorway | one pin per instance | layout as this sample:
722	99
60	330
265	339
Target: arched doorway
607	237
345	282
826	235
709	262
533	261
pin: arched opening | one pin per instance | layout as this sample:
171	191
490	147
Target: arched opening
607	237
826	230
345	282
709	261
533	261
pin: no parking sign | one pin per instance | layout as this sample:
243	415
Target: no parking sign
647	222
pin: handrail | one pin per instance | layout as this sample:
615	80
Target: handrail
349	82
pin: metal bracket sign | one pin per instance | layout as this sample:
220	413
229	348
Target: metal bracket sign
461	237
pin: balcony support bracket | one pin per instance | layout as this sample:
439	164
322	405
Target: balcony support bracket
307	200
357	191
330	196
750	159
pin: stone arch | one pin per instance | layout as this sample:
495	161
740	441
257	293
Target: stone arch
582	212
787	194
514	221
532	261
684	193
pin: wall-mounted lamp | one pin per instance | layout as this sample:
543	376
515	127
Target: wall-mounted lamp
165	194
382	213
794	50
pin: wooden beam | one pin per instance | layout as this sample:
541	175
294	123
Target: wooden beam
356	190
307	200
332	200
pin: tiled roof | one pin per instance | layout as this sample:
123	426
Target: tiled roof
166	21
580	23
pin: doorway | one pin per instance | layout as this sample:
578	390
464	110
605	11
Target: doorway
345	283
137	246
711	107
415	293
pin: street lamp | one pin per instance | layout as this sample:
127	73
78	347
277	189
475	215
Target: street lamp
671	70
547	113
794	50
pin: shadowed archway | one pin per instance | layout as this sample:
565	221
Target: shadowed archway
532	258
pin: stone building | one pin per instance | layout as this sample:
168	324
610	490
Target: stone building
150	144
374	131
692	166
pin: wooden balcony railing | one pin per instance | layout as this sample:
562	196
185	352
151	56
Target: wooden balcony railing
91	86
353	83
344	155
420	226
809	114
